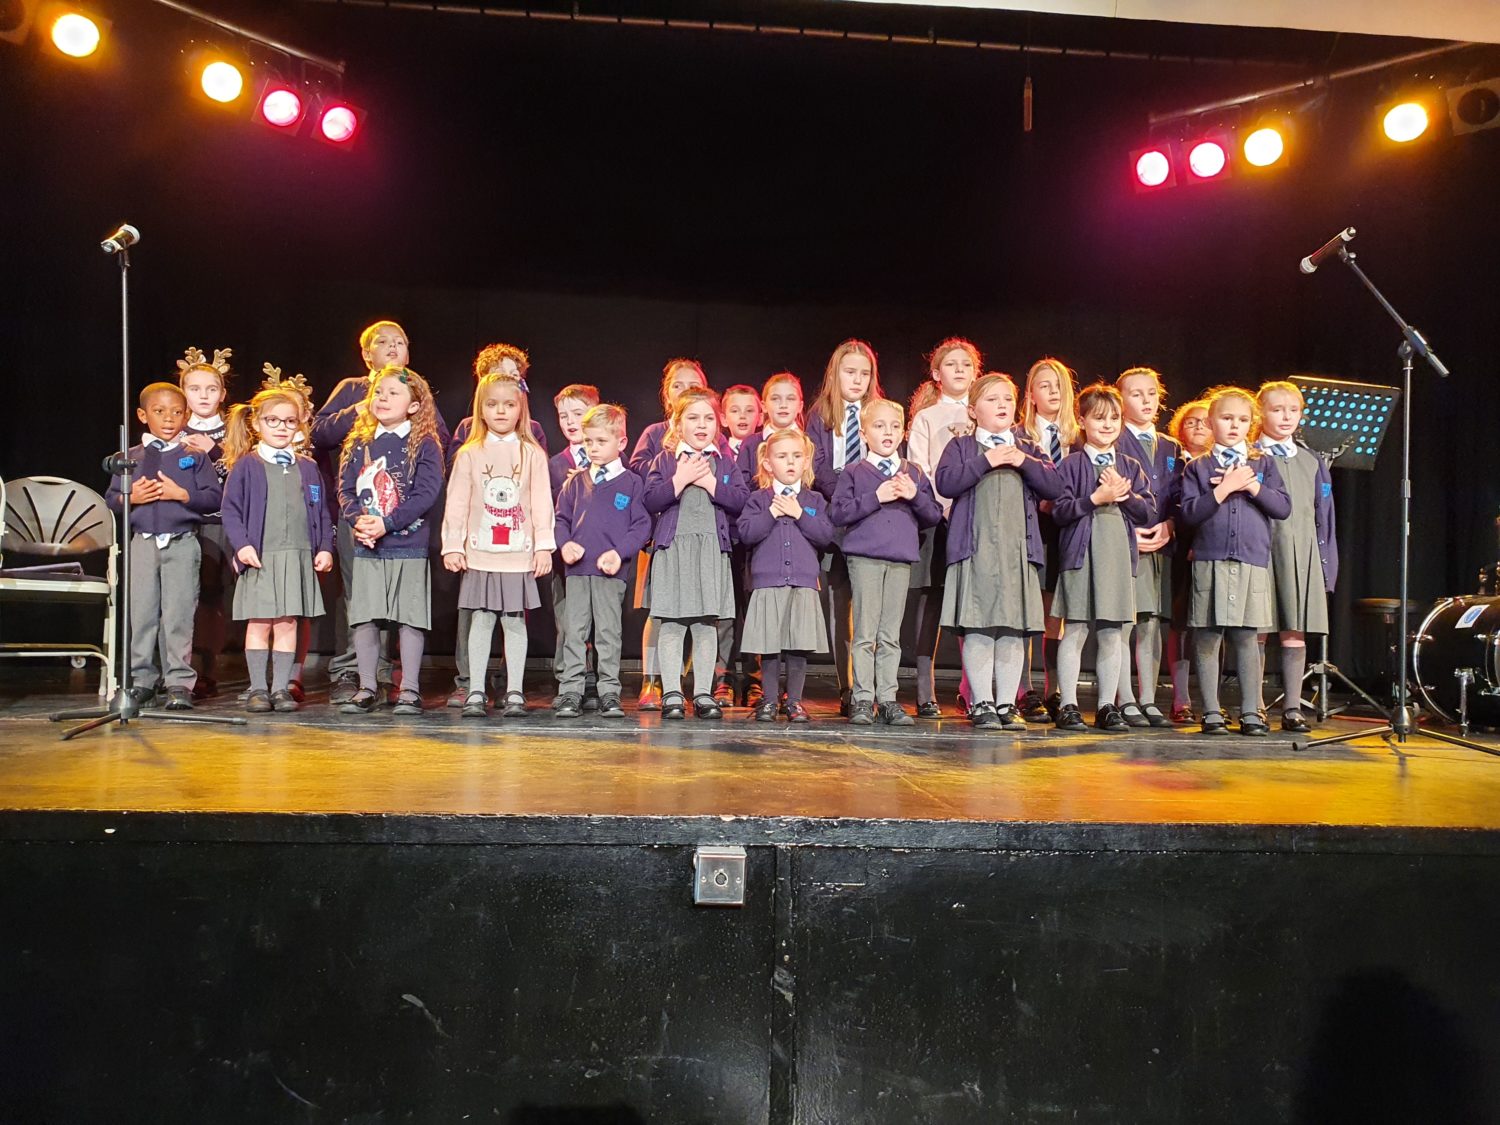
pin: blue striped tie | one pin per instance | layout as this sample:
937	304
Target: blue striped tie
885	467
1104	459
282	457
583	458
599	474
1054	445
853	446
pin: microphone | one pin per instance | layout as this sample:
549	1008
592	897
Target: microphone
1311	263
125	236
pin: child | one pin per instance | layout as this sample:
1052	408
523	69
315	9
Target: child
1051	421
742	417
301	443
497	532
994	548
203	384
1304	550
1189	428
572	403
779	407
171	490
939	413
493	359
850	381
390	476
785	524
1106	496
693	488
884	503
678	375
1230	496
276	522
602	524
1141	392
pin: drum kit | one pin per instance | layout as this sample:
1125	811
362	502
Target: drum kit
1455	661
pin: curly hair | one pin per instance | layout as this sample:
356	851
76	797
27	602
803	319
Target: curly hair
423	422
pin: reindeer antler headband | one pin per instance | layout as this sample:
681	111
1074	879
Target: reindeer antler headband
194	360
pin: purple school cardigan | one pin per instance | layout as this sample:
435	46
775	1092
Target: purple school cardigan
193	471
960	469
600	518
1240	528
728	497
1074	510
889	532
784	551
245	495
1164	469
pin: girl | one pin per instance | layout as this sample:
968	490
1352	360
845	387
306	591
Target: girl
390	475
939	412
994	551
1230	496
781	409
497	532
280	536
851	379
1050	420
785	524
1189	428
1142	392
678	375
692	488
1105	498
203	382
1304	551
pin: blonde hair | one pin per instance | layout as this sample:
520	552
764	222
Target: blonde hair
491	355
680	404
790	380
367	337
1283	386
606	416
586	393
1067	418
1179	416
988	380
927	391
1151	372
763	475
479	431
423	422
1219	394
867	411
829	405
242	426
666	379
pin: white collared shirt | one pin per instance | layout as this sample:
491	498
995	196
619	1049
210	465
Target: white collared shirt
1286	443
736	444
1141	431
400	431
492	438
1094	451
951	401
894	457
205	425
986	438
580	456
767	430
612	470
268	453
1239	448
779	489
151	441
684	447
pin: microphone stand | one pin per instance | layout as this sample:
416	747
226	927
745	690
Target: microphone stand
1403	724
124	708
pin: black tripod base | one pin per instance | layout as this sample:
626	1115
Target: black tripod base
1389	731
125	711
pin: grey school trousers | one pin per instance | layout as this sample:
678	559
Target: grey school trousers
878	591
163	602
592	604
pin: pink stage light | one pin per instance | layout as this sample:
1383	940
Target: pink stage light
1207	159
281	107
339	123
1153	168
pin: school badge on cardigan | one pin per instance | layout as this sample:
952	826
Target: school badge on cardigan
502	526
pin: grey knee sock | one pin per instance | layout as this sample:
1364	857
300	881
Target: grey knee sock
1010	659
281	669
979	666
413	641
1124	688
669	638
1148	657
705	651
481	636
255	664
1070	660
1293	668
770	677
796	676
1026	660
1206	643
1108	660
513	625
367	653
1249	657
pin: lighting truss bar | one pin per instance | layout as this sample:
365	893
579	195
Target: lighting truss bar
239	32
1307	83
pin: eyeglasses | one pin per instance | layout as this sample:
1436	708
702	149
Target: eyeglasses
278	423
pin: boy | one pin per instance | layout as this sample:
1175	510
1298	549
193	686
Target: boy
572	403
171	490
884	502
601	526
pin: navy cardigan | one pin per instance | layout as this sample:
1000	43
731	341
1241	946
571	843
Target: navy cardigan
245	495
1074	510
960	469
661	501
890	532
784	551
1240	528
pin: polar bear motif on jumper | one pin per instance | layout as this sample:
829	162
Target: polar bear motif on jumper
502	525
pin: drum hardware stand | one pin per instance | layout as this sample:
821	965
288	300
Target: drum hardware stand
1402	725
1323	668
124	708
1465	677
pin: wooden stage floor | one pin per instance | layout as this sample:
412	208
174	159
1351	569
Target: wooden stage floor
318	762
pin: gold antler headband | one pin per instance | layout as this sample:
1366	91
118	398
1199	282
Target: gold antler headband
297	384
194	360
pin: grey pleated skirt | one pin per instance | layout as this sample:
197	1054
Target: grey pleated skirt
499	592
285	586
1102	589
691	578
385	589
996	587
784	619
1153	583
1230	595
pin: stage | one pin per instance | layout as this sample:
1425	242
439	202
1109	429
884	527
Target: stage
431	919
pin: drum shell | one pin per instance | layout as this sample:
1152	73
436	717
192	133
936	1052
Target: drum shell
1459	633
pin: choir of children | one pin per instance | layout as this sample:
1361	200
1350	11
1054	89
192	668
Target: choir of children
1056	513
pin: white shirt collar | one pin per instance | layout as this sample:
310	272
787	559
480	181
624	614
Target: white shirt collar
268	454
612	470
684	447
492	438
149	440
400	431
736	444
875	458
1289	444
777	487
1094	451
950	401
985	436
1238	448
205	425
767	430
1141	431
577	453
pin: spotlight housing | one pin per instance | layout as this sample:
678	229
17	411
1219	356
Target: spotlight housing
1152	168
1264	146
222	81
1475	106
282	106
1208	158
71	30
338	122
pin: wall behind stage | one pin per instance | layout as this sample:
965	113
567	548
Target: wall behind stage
610	197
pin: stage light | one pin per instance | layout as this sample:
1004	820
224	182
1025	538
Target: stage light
222	81
75	35
1153	168
1264	147
15	20
1475	107
1405	122
281	106
339	122
1207	159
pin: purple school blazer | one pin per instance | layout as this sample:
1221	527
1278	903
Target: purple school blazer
1074	510
889	532
825	476
728	497
1239	528
245	495
784	551
1164	469
959	471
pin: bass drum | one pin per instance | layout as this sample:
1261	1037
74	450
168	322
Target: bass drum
1460	633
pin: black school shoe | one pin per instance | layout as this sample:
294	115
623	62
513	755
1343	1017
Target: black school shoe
609	707
862	713
344	689
984	716
1033	707
893	714
1253	725
796	713
929	710
179	699
1108	719
1069	717
1134	716
475	706
258	702
1154	716
765	711
515	705
673	706
707	707
1213	723
1294	723
362	702
408	703
567	706
1010	719
282	702
1053	703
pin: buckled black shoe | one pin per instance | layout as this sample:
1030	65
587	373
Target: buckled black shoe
1213	723
1108	719
1293	723
707	707
984	716
673	706
1134	716
1069	717
1154	716
1253	725
1033	708
408	703
475	706
929	710
1010	719
362	702
515	705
